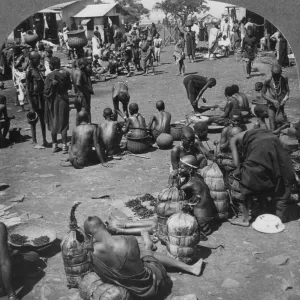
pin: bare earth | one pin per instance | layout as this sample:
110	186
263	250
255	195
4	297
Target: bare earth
51	190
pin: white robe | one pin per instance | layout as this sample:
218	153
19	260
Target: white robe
96	46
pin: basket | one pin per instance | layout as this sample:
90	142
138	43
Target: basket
176	130
137	145
77	39
32	231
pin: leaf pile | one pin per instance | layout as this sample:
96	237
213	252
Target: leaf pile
18	239
139	209
41	240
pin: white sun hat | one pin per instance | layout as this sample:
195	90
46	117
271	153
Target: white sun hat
268	224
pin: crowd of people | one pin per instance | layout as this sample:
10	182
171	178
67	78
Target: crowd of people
255	157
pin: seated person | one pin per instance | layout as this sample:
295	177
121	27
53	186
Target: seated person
136	125
119	260
197	194
224	44
188	147
84	138
113	65
161	121
232	103
120	94
201	131
231	130
267	171
241	98
110	133
4	121
261	112
96	67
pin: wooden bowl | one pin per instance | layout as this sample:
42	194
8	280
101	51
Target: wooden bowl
32	231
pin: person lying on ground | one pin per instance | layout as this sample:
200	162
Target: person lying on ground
120	94
241	98
261	112
195	86
267	171
110	133
84	138
136	125
188	147
231	104
4	121
119	260
160	121
231	130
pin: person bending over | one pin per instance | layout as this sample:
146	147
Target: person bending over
119	260
160	121
121	95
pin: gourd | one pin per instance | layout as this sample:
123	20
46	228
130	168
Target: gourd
213	177
183	237
164	141
31	38
172	194
92	287
75	256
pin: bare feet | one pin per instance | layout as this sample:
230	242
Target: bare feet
240	223
197	267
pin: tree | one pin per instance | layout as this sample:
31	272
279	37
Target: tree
135	10
181	9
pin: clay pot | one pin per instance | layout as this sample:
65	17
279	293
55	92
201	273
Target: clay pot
77	39
31	38
176	130
189	23
164	141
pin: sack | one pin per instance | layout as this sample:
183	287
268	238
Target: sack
280	117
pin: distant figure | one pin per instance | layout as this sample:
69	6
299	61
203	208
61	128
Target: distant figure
73	26
157	47
110	132
98	34
160	121
118	38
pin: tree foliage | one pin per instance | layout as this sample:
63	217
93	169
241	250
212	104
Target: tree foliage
181	9
135	10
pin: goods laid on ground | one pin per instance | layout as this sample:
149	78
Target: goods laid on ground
213	177
76	258
92	288
164	141
183	237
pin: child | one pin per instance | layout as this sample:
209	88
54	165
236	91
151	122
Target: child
97	68
113	66
258	98
261	112
157	48
136	52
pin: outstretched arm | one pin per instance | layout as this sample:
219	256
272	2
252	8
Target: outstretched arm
202	92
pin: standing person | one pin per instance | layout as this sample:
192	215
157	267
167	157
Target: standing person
281	49
190	44
249	50
153	31
96	45
160	121
70	50
128	55
147	53
49	54
195	86
83	86
23	33
61	39
4	121
120	94
157	47
225	28
279	93
196	29
35	95
98	35
201	31
118	38
214	36
179	54
57	84
235	39
243	30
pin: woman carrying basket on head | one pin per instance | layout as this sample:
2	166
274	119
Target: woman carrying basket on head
213	40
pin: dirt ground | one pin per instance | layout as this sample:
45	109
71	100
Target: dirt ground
51	190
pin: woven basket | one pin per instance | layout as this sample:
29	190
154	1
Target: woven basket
137	145
77	39
172	194
176	130
184	241
184	259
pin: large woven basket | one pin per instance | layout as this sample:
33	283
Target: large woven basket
137	145
77	39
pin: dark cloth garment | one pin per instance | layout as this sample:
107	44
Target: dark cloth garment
57	101
249	45
283	59
190	43
153	32
266	163
193	85
79	162
207	225
36	89
98	35
152	283
202	34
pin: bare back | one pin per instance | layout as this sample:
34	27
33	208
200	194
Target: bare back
242	100
83	140
110	134
162	122
137	121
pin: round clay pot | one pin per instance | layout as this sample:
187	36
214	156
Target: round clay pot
31	38
164	141
77	39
